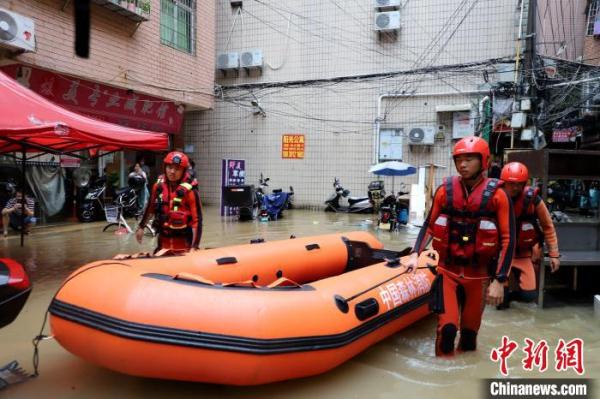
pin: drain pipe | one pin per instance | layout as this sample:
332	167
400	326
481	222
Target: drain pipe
381	118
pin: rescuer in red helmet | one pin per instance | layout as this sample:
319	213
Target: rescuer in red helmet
472	226
533	225
175	205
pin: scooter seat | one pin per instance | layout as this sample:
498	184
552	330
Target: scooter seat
277	190
354	200
122	190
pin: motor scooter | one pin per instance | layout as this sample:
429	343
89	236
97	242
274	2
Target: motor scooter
91	208
272	205
393	212
355	204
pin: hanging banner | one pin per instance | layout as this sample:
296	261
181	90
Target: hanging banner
233	173
292	146
110	104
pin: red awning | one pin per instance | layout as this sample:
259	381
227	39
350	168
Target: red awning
28	119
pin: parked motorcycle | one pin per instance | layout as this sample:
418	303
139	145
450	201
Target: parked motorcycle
91	208
355	204
393	212
272	205
127	197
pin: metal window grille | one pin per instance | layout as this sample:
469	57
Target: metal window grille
593	12
178	24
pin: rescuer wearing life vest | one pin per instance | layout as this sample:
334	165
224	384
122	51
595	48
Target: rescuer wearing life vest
534	224
175	205
472	226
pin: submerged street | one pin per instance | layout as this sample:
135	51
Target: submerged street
403	365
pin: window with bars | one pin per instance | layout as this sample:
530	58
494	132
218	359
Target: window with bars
178	24
592	17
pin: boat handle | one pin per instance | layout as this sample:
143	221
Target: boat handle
226	260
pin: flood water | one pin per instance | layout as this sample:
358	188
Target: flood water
402	366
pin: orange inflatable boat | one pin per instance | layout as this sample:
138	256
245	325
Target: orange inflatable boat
241	315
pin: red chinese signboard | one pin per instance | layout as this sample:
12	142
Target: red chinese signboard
292	146
99	101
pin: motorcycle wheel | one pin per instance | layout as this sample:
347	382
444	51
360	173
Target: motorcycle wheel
86	216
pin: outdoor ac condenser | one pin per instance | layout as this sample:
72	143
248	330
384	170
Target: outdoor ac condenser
252	59
228	61
421	135
387	21
16	31
387	5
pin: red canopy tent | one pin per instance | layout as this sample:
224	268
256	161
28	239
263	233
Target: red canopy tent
27	120
30	123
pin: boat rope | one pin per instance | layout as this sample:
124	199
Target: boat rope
41	336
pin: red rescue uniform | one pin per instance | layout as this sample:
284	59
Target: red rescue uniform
178	214
474	233
534	223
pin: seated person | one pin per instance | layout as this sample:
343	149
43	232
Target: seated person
12	213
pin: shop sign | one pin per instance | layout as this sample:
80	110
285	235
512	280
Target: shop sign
110	104
233	173
292	146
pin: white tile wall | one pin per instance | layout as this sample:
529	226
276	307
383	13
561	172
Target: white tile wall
332	38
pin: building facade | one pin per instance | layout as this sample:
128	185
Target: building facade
170	60
151	62
360	81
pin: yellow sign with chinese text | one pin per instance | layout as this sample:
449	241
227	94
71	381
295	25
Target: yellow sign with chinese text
292	146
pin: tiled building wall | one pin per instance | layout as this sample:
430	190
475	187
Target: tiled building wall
310	39
591	50
120	57
561	27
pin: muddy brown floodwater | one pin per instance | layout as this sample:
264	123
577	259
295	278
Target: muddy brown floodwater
402	366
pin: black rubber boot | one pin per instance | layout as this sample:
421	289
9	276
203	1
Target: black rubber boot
468	340
445	340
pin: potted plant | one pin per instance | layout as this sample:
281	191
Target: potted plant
146	6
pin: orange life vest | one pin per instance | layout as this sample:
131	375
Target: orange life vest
466	231
528	230
174	215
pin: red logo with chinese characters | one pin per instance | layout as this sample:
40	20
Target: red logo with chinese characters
567	355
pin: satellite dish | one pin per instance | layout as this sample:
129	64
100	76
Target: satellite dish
81	177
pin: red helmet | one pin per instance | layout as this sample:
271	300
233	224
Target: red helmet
515	172
177	158
473	145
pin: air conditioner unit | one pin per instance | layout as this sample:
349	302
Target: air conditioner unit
228	61
387	21
252	59
16	31
387	5
422	135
